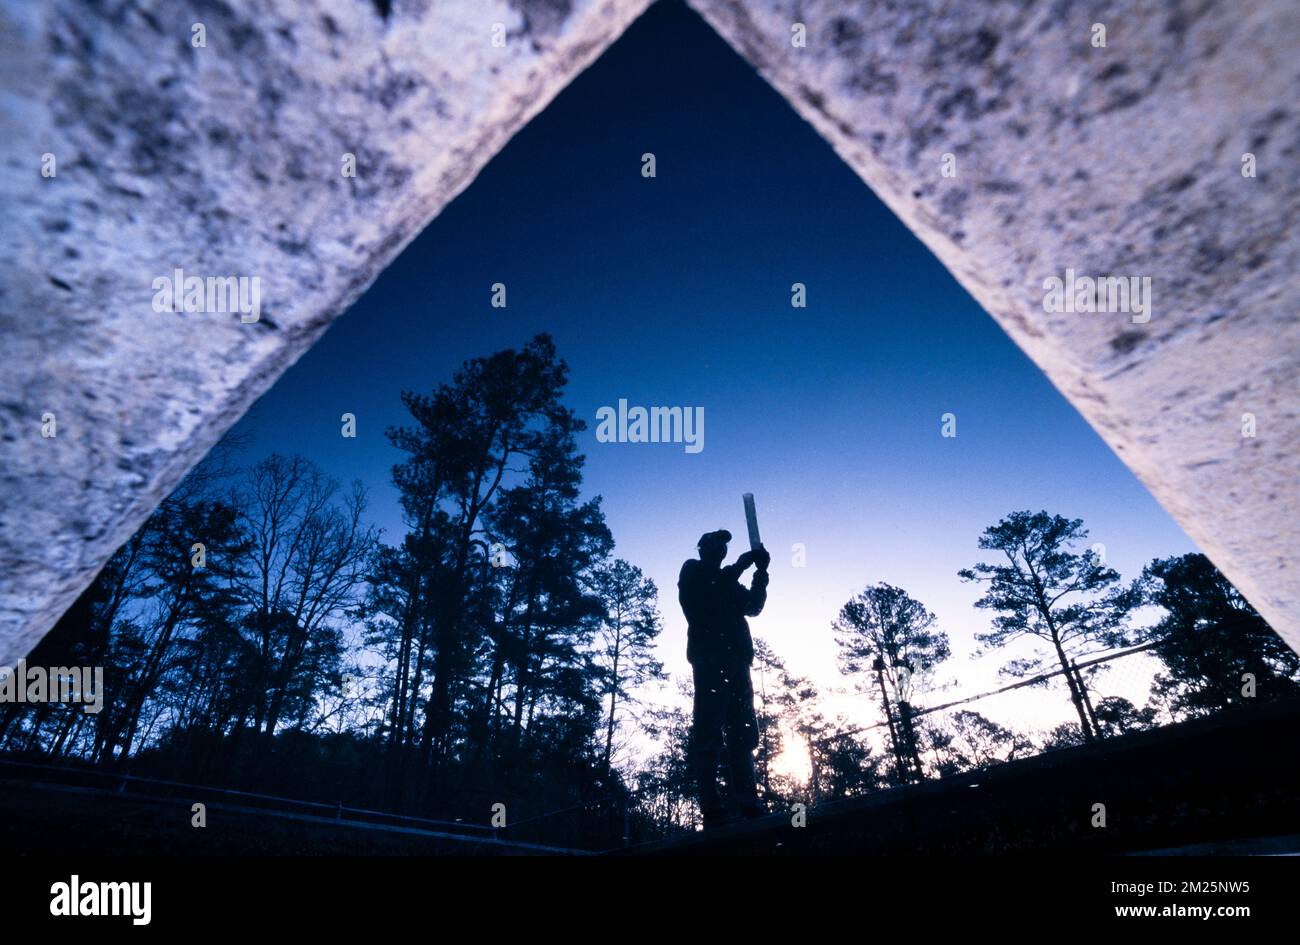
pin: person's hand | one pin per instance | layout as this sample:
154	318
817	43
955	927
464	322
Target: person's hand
762	558
745	560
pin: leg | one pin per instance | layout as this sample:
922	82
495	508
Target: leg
742	739
706	737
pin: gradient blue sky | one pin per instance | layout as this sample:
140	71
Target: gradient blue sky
676	291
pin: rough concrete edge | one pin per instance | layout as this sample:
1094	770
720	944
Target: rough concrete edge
740	31
568	60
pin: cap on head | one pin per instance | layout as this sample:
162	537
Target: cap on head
720	537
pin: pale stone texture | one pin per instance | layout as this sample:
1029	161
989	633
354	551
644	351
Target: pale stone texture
1123	160
223	160
226	161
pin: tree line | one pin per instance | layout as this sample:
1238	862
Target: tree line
257	633
1051	595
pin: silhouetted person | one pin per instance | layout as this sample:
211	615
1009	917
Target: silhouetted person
720	651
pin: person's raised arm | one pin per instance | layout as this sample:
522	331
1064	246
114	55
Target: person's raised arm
756	596
737	568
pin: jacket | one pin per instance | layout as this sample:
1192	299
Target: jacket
716	604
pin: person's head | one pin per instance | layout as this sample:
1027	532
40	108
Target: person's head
713	546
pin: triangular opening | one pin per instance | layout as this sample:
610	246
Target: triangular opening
879	415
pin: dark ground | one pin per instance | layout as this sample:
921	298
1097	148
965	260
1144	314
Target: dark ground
1228	784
